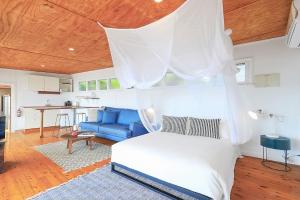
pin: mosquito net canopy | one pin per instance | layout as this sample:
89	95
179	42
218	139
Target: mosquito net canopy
192	43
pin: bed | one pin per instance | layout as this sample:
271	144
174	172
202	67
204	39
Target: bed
201	165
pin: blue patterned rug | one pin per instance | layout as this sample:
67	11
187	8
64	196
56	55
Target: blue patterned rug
81	156
102	184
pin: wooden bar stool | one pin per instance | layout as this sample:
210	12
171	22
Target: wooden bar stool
66	125
80	117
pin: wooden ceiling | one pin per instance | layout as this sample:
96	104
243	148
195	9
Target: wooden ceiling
36	34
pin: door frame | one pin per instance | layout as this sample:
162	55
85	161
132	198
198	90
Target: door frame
12	104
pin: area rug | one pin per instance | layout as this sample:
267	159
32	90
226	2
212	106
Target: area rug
102	184
81	156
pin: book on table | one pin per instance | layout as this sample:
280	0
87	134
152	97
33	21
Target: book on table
86	134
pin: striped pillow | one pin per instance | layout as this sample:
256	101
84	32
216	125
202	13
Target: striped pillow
204	127
174	124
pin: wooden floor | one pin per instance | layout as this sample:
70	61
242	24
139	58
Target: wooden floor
29	172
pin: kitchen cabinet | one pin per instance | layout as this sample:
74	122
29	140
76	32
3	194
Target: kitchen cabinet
43	83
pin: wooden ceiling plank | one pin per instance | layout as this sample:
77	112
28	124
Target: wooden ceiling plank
41	31
258	18
232	5
51	30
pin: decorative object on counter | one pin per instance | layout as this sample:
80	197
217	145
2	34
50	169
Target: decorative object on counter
68	103
277	143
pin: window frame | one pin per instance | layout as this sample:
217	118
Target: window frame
86	86
90	81
248	70
110	85
98	84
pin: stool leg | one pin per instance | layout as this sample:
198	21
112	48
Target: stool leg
59	126
69	124
55	125
285	160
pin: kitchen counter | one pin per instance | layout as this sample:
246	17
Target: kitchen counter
58	107
42	109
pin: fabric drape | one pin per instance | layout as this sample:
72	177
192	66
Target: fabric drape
192	43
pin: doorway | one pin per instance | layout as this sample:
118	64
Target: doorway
5	105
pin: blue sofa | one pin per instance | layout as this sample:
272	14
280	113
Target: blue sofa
124	124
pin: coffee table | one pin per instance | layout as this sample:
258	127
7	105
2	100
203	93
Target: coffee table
71	139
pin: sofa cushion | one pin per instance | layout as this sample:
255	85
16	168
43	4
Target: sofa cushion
128	116
109	117
113	109
115	129
89	126
99	115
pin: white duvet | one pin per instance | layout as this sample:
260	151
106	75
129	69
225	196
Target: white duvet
200	164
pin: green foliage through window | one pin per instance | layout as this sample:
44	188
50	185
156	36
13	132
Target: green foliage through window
92	85
114	83
82	86
102	84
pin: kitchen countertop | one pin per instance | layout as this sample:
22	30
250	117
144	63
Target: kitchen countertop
58	107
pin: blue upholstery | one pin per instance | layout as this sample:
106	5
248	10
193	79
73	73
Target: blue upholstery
127	116
90	126
137	128
109	117
116	130
126	125
280	143
99	115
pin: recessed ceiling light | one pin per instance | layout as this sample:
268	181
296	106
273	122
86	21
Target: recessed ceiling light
71	49
42	65
158	1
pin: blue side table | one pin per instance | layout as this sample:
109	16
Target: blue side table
278	143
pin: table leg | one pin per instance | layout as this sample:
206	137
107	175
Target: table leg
70	146
42	124
74	117
91	143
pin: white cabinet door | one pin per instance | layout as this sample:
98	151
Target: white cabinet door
51	84
36	83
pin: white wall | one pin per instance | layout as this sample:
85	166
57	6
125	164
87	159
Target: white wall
21	96
271	56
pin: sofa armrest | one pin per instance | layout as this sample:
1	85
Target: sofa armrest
137	128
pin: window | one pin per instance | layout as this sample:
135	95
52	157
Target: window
171	79
114	83
82	86
102	84
244	71
92	85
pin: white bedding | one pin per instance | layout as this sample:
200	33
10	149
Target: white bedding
200	164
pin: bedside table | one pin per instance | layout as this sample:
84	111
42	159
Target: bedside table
277	143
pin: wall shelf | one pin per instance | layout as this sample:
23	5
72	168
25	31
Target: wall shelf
48	92
87	97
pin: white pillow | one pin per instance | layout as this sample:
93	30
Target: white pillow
224	130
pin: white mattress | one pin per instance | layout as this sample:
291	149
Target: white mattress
200	164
